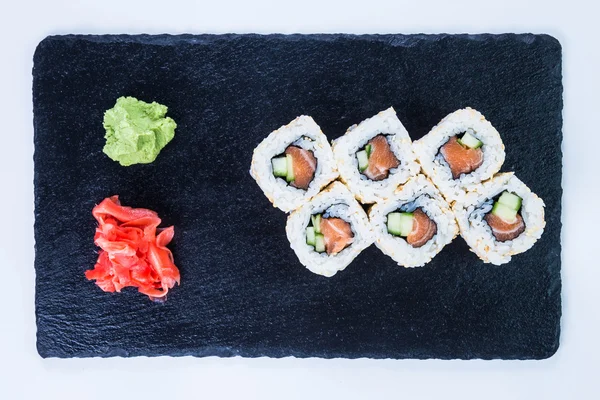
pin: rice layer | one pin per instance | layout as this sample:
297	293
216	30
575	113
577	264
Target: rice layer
333	201
302	132
357	136
477	233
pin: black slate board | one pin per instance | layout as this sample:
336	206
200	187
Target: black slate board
243	291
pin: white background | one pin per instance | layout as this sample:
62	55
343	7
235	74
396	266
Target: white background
573	373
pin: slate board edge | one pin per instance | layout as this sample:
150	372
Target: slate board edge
394	39
228	353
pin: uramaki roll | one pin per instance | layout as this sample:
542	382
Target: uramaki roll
500	218
375	156
460	152
293	164
329	231
414	224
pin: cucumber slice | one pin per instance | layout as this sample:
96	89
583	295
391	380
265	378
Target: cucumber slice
310	236
290	168
406	224
368	149
393	223
316	221
363	160
504	212
511	200
319	243
470	141
399	224
279	166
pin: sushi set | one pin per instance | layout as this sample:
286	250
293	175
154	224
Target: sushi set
406	203
431	229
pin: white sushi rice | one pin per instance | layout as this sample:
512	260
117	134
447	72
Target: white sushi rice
418	192
302	132
334	201
477	233
356	138
435	166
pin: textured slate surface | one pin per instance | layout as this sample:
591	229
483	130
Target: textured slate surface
243	291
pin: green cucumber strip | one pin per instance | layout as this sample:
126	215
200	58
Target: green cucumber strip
470	141
406	224
393	223
510	200
290	168
399	224
310	236
279	166
504	212
319	243
363	160
369	149
316	222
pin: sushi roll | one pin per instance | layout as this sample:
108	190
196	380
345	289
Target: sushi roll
293	164
500	218
375	156
461	151
328	232
414	224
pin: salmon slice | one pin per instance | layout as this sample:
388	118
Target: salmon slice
461	159
304	164
337	233
505	230
423	229
382	159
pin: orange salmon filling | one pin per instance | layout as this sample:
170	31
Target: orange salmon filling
338	234
461	159
381	160
505	230
304	165
423	229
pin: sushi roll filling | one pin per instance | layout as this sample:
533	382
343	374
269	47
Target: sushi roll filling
462	153
329	233
504	219
296	165
376	159
415	226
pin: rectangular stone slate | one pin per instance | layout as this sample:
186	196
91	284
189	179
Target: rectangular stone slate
243	292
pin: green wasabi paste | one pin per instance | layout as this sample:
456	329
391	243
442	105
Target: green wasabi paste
136	131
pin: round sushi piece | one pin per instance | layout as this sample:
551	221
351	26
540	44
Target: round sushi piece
414	224
375	156
293	164
460	152
328	232
500	218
